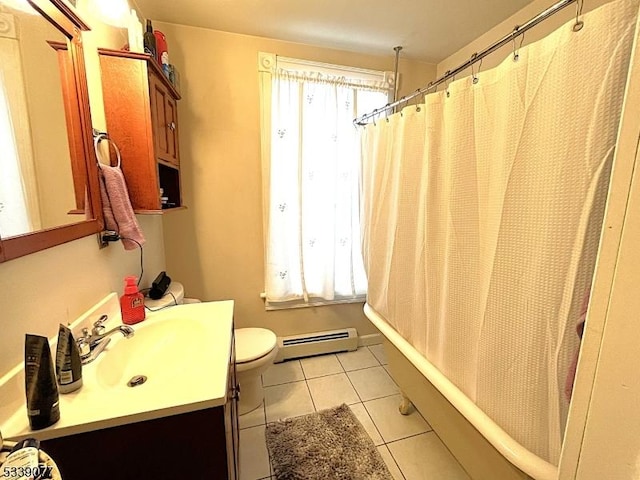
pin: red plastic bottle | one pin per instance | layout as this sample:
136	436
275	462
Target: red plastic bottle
162	51
132	302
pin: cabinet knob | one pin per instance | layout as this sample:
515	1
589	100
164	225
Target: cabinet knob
171	126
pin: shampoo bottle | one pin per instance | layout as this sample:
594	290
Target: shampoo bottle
43	407
132	302
68	362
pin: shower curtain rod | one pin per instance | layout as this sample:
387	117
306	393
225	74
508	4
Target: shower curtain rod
476	57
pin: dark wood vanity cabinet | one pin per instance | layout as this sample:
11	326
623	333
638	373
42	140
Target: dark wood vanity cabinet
142	119
197	445
232	428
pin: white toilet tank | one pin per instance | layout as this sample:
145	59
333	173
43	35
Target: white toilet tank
173	296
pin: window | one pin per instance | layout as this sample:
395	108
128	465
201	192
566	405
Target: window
311	167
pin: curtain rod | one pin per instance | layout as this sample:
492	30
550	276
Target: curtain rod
476	57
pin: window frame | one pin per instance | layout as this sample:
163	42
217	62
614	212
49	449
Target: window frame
268	65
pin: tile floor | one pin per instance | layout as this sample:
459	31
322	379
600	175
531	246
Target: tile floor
408	445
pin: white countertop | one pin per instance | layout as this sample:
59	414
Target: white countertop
199	382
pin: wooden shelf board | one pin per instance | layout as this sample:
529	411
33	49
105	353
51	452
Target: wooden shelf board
161	211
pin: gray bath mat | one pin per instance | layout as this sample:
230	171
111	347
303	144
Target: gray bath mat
327	445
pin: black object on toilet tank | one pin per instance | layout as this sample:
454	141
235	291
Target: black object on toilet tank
159	286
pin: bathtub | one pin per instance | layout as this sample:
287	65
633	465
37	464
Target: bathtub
484	449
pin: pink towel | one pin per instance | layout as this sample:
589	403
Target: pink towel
116	206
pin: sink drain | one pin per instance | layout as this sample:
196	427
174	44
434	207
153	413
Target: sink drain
137	380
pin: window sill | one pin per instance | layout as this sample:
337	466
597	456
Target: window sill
313	302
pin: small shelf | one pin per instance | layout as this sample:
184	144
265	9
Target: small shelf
160	212
169	180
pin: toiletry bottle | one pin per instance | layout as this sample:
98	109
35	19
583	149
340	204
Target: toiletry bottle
43	407
68	362
150	41
132	302
162	52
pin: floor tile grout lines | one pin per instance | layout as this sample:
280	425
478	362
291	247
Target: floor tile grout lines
395	461
306	380
356	390
304	374
306	383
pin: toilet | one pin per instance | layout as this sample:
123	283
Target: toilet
256	348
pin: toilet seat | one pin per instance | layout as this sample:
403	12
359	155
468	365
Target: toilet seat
253	343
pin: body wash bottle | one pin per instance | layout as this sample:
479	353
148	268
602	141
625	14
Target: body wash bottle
43	408
132	302
68	362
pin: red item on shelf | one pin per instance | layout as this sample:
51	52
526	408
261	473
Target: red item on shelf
162	52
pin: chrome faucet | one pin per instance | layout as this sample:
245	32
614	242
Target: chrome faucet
92	344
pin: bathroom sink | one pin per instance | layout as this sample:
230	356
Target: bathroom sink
162	350
183	351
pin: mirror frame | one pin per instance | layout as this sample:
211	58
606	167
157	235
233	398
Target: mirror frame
79	130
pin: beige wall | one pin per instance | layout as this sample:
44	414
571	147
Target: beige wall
55	286
215	247
504	28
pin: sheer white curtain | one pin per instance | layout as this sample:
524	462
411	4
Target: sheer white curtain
313	252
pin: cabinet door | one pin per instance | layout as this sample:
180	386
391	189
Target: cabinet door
163	117
127	101
171	121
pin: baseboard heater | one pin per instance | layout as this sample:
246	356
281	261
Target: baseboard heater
317	343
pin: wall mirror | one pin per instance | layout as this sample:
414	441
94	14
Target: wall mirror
49	184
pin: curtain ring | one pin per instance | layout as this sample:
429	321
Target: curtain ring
446	88
579	23
417	94
373	116
385	110
516	54
424	96
474	75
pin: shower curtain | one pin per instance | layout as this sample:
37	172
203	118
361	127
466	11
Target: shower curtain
482	211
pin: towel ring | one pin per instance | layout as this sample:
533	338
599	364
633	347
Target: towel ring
96	140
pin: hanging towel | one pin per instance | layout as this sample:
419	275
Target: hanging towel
116	206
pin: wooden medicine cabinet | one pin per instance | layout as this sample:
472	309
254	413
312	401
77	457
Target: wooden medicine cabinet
142	120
